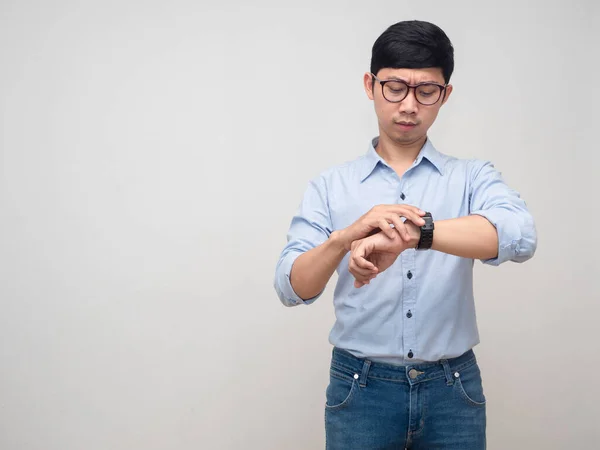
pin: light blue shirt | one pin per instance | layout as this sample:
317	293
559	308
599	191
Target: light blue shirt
422	306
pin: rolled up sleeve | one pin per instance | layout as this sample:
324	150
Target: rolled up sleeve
491	198
309	228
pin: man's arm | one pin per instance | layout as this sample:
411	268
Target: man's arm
308	241
312	269
498	229
504	208
470	237
314	250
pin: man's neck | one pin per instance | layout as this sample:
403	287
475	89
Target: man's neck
399	155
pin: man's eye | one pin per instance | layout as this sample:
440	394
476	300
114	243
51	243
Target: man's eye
427	91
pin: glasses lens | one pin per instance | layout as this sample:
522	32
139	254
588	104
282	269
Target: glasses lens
395	91
428	94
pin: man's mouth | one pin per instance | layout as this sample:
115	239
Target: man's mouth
406	126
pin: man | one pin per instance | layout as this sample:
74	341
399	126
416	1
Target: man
403	225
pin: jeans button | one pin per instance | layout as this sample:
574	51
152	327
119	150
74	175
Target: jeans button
412	373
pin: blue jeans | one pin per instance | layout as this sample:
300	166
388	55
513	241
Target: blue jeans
427	406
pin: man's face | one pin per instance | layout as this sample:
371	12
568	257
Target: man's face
408	121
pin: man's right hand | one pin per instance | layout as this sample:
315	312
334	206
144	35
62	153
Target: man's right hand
380	217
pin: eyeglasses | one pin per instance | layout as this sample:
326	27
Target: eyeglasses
395	91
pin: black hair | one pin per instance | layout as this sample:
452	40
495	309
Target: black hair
413	44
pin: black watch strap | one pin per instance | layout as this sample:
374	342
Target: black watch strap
426	240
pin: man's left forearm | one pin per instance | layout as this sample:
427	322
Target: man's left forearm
469	237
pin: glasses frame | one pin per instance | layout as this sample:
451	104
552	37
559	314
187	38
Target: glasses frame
413	87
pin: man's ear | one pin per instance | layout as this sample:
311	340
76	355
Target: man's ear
368	82
449	89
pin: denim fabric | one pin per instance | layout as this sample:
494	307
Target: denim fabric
426	406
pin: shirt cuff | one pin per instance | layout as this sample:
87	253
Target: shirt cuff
509	234
286	292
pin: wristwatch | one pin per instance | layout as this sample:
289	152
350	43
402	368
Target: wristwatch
426	239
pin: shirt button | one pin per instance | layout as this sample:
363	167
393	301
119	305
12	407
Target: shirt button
402	196
409	314
410	354
409	275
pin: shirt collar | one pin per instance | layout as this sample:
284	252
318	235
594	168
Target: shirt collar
428	152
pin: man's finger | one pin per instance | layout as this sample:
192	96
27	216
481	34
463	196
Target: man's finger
403	205
360	274
414	218
363	280
363	263
385	227
359	271
401	227
405	233
411	213
360	267
358	284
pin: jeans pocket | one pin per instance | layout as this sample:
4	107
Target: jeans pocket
469	387
341	389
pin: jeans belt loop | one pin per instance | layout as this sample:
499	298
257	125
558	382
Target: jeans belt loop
362	382
447	372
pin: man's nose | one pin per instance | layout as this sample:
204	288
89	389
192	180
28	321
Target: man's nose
409	105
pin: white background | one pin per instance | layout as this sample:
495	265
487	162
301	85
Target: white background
151	157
